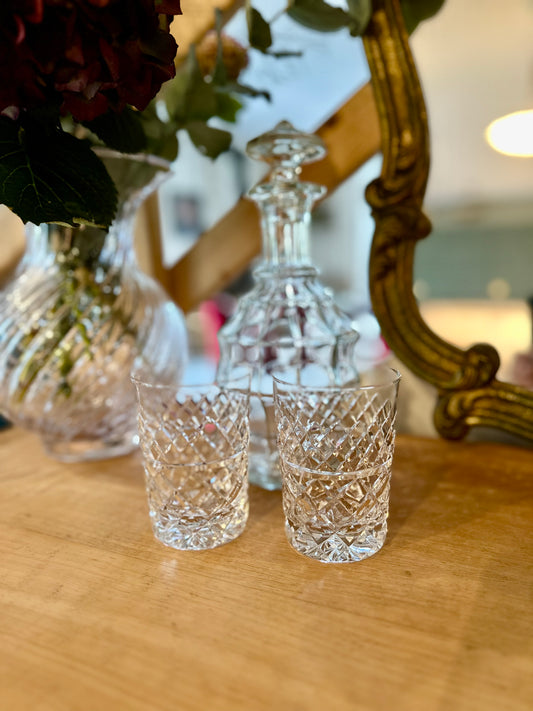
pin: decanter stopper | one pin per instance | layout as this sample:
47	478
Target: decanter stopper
286	149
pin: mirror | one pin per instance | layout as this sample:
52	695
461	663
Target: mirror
470	391
472	278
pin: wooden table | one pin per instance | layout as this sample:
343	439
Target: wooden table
97	615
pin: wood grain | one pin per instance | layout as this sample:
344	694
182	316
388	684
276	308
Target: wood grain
96	614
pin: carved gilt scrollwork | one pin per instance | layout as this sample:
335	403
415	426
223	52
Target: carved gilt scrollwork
469	394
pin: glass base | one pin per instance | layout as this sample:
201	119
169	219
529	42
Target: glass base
212	534
86	450
336	548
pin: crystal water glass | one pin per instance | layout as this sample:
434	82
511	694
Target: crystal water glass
336	445
194	440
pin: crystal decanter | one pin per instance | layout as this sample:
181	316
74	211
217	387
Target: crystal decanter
289	320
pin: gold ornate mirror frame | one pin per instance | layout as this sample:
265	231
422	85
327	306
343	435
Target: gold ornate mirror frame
469	394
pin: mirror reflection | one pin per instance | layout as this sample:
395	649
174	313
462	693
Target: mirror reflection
473	275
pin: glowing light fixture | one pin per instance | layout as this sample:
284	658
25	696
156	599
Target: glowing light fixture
512	134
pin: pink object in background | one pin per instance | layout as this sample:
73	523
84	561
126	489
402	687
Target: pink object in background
212	319
523	369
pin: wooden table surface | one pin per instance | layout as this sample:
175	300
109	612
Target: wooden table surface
97	615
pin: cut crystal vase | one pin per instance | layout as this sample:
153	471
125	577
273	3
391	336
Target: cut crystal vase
289	321
75	319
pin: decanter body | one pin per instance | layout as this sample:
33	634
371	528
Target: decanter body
288	321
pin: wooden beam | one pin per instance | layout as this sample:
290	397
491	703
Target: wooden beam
221	254
148	244
352	136
199	17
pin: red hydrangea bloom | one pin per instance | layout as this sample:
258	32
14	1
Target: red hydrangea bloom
87	56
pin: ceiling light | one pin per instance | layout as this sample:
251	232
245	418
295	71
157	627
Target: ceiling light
512	134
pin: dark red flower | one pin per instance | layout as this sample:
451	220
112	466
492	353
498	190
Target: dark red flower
87	56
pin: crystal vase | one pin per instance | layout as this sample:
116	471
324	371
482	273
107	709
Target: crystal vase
75	319
289	321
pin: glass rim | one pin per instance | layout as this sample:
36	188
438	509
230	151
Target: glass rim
394	374
195	386
146	158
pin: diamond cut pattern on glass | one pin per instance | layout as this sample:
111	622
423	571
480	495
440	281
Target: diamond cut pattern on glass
209	427
195	459
336	449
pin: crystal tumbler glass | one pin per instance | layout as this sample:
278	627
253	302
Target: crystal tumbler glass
336	445
194	441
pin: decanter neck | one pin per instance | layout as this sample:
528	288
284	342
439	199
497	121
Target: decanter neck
285	222
285	202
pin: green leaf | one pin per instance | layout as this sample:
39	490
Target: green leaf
360	12
228	107
318	15
200	97
50	176
191	98
202	103
259	34
161	138
175	95
415	11
209	141
122	131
